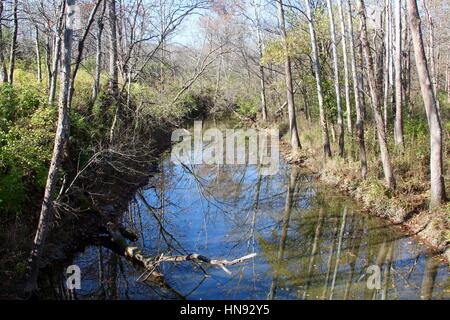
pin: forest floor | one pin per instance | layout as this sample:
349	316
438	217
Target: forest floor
406	207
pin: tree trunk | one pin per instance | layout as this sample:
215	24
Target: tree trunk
295	140
12	53
356	90
374	90
432	56
113	55
434	122
38	57
56	54
61	138
337	87
346	73
398	126
316	66
98	56
48	67
448	77
261	67
4	73
387	66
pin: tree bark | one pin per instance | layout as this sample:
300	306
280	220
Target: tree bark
434	122
346	73
337	87
356	91
295	140
113	55
387	66
12	53
448	76
61	137
98	55
4	72
374	90
38	57
48	67
398	125
261	67
432	56
56	54
316	66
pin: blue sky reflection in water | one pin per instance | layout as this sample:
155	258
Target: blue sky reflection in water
311	241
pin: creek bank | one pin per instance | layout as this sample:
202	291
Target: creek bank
408	212
100	194
429	227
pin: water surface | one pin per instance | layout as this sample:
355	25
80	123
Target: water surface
311	241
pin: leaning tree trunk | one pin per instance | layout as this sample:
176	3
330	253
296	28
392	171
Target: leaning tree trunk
374	91
12	53
337	87
346	73
316	65
398	125
358	104
429	100
61	138
295	140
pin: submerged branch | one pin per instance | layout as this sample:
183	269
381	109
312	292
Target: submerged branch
117	242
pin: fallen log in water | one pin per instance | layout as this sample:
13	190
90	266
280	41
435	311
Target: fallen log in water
117	242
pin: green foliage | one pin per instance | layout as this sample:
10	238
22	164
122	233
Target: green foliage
247	106
26	135
12	191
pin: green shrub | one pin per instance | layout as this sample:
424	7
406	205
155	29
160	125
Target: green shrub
247	106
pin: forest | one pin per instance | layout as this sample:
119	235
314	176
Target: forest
91	92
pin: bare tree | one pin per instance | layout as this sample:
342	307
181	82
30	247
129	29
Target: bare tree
4	72
98	55
295	140
56	53
432	55
388	61
316	66
398	126
262	76
113	55
374	91
12	53
434	122
356	91
61	137
346	73
38	56
337	87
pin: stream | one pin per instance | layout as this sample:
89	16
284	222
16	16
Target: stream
311	241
